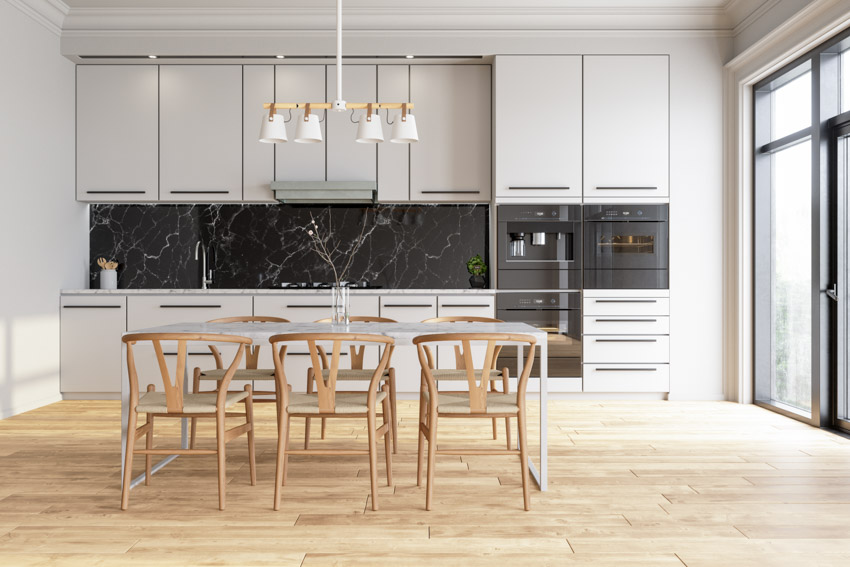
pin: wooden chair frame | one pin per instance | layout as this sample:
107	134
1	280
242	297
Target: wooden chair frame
357	354
175	404
459	365
326	398
252	355
478	389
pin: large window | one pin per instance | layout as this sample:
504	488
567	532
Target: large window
798	258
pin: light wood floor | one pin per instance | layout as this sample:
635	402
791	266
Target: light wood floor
644	483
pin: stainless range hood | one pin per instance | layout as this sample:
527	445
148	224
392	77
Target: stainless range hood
325	192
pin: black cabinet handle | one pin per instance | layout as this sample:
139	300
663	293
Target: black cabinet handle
450	191
309	306
626	340
627	188
190	306
117	192
460	305
626	369
539	188
626	320
626	301
189	354
308	354
92	306
407	305
199	191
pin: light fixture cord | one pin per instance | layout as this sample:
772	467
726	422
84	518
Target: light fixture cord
339	49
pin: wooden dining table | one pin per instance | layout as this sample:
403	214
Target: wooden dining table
402	333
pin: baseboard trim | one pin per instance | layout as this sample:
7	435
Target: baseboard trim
16	410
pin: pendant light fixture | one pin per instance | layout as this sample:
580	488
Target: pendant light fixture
369	129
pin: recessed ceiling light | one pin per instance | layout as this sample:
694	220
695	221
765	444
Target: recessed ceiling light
279	56
408	56
151	56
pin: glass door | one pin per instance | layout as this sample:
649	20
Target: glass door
840	292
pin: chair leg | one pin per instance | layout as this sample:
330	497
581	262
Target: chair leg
387	416
373	455
495	433
394	408
286	448
432	454
196	387
282	436
523	457
222	461
128	459
249	419
324	426
148	445
308	420
420	455
506	389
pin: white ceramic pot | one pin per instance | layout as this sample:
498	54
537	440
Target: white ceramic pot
108	279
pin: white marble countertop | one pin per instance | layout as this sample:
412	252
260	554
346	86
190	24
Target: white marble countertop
378	291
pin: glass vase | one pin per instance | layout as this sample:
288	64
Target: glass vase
340	308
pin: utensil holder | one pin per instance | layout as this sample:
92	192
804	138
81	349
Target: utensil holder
108	279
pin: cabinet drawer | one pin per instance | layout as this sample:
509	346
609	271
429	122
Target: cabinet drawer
627	325
626	378
153	311
626	306
626	348
408	308
309	308
462	306
90	346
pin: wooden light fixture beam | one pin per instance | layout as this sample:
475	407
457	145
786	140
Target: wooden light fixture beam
327	105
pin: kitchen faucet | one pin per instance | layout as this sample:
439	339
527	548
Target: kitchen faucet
206	272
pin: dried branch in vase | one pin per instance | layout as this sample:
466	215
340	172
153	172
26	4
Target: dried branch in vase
330	250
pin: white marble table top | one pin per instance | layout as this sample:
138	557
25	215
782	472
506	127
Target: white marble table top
403	333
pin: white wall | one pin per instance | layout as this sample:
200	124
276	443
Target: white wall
43	231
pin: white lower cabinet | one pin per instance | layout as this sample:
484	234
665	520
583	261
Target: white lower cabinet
462	306
408	309
626	341
90	352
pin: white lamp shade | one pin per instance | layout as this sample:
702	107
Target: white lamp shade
308	131
370	131
273	131
404	131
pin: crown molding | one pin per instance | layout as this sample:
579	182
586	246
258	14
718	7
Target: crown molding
49	13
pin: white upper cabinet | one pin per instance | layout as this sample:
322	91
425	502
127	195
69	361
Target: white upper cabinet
200	151
626	126
349	160
117	107
451	161
393	159
538	127
257	158
293	161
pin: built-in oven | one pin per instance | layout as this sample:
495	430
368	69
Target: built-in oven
626	247
539	246
558	313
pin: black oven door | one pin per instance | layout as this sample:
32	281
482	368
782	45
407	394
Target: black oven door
626	247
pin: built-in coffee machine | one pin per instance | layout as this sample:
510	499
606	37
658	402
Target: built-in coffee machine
539	247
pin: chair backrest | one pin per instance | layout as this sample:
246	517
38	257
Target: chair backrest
174	388
326	387
357	352
252	356
477	386
459	363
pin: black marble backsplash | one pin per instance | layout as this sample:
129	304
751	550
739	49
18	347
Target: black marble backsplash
257	246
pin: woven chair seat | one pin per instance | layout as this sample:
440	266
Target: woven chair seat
458	402
241	374
460	375
357	374
154	402
344	402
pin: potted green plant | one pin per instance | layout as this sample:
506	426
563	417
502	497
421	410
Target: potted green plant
477	268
